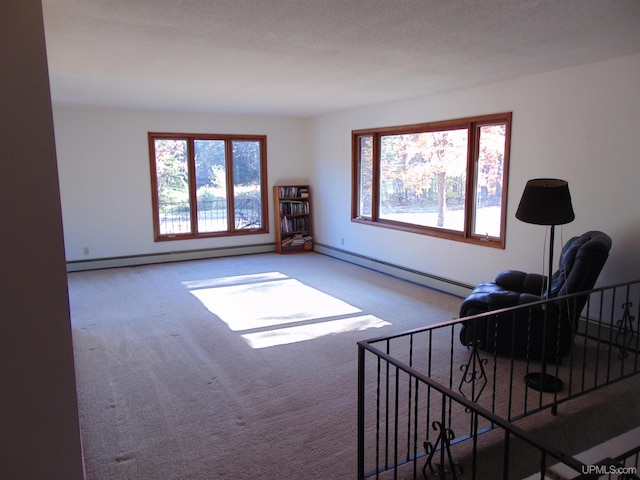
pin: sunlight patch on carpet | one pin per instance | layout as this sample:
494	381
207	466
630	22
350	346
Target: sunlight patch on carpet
301	333
261	305
234	280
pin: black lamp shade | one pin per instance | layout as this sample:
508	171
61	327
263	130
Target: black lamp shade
546	201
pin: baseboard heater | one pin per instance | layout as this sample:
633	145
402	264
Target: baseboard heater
428	280
166	257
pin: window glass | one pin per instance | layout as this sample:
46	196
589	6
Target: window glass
247	184
488	187
365	181
422	178
172	178
211	185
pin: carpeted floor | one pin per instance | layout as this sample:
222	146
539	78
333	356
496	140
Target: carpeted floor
239	368
246	368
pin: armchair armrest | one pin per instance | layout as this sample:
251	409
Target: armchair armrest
522	282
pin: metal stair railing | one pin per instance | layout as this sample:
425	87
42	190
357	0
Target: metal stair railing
429	407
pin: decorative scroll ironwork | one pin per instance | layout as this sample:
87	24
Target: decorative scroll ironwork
447	468
625	330
472	373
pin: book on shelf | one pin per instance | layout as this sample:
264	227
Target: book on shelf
294	207
294	224
300	239
293	192
296	241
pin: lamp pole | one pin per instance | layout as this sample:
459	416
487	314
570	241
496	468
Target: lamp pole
546	201
551	243
543	381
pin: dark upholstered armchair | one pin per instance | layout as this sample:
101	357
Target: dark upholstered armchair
580	263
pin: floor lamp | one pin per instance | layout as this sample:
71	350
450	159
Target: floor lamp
546	201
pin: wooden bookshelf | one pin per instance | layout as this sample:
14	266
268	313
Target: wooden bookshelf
292	210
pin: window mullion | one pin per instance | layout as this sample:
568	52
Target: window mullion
191	169
228	158
375	178
472	173
153	156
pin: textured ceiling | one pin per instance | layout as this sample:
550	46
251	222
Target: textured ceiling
308	57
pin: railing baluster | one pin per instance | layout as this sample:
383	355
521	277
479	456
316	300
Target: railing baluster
511	370
396	423
574	328
528	357
611	337
637	348
429	373
378	416
451	340
474	450
505	455
361	411
410	398
415	430
386	443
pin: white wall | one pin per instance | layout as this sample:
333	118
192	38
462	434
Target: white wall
580	124
105	182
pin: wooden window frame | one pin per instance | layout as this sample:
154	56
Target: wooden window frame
472	124
228	139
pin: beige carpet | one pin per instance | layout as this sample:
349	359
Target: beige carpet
238	368
246	368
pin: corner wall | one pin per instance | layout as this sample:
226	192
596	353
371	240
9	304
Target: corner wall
103	157
39	431
580	124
